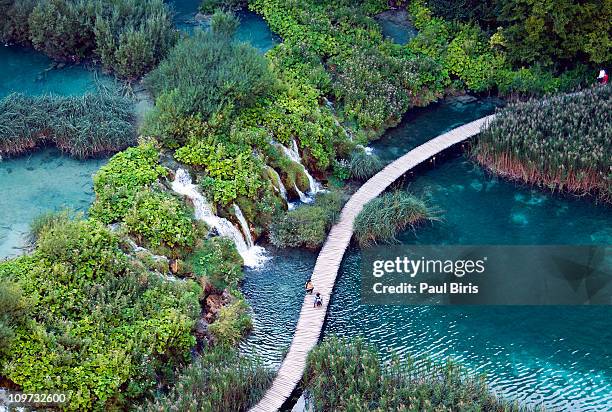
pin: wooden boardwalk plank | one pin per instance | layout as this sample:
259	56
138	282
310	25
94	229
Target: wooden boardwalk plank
310	323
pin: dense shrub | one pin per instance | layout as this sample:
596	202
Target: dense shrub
346	374
160	219
387	215
99	328
129	36
210	6
232	323
207	74
217	381
307	225
561	142
14	309
86	126
218	262
117	183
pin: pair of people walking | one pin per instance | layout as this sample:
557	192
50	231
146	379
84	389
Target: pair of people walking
318	300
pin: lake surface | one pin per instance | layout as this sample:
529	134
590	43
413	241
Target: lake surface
43	181
558	356
28	71
253	29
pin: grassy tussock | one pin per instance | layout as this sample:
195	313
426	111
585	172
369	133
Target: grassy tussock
384	217
347	375
85	126
563	142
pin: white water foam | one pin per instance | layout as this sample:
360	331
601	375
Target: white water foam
253	256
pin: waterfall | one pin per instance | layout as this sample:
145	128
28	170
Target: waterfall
279	186
245	226
294	155
253	256
303	197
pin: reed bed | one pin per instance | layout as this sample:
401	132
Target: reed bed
383	218
83	126
563	142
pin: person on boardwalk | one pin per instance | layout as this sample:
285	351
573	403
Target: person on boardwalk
318	301
309	287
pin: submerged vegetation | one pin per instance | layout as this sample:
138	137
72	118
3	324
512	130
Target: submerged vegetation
389	214
85	126
127	36
561	142
346	374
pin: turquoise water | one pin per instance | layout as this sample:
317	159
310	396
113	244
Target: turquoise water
27	71
400	33
253	29
559	356
41	182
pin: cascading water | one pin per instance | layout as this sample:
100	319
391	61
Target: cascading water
279	186
245	226
253	256
303	197
294	154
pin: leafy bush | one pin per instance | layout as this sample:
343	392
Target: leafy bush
232	323
86	126
218	261
307	225
344	374
562	142
117	183
160	219
363	166
48	219
224	25
385	216
206	74
129	36
99	328
14	308
217	381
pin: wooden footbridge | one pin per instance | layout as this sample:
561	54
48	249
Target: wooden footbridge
311	319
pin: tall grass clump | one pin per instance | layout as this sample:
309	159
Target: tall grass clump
347	375
384	217
84	126
218	381
363	166
563	142
307	225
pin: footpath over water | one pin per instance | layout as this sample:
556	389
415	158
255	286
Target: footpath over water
310	323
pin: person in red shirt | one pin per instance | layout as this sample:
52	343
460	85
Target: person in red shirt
603	77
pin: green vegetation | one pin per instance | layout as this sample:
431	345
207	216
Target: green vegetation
218	262
128	36
363	166
160	219
217	381
14	308
307	225
532	33
561	142
103	329
232	323
387	215
346	374
86	126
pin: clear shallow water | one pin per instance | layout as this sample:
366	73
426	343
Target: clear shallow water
559	356
25	71
41	182
399	32
253	29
